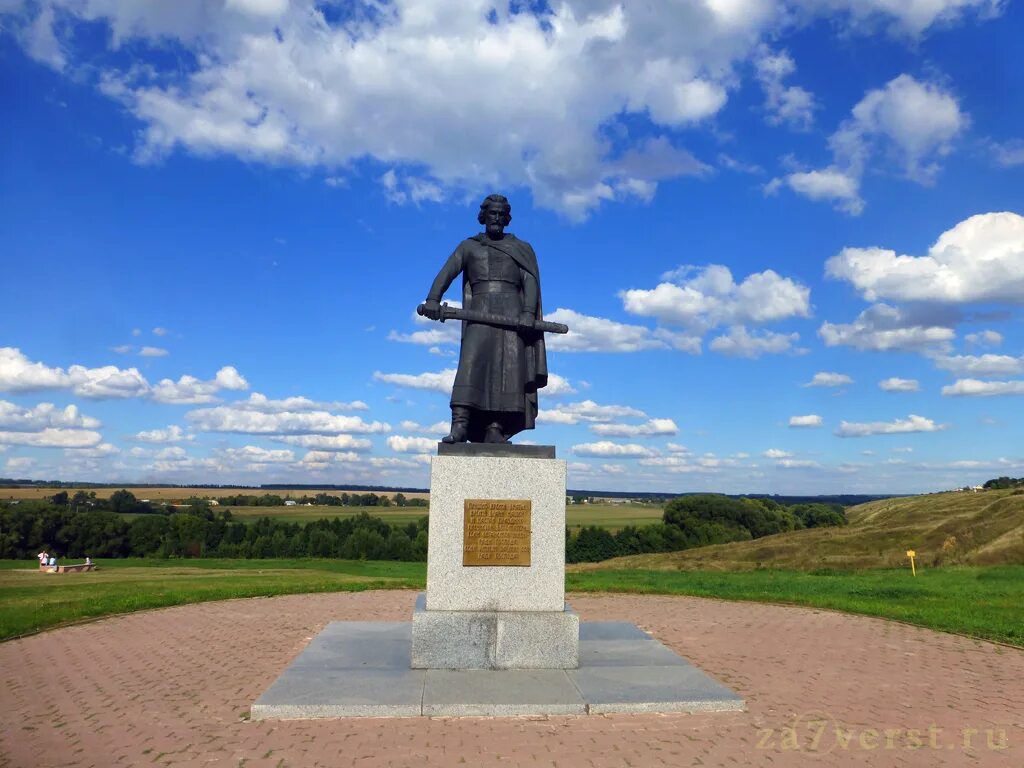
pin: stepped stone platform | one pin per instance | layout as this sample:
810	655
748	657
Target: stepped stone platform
361	669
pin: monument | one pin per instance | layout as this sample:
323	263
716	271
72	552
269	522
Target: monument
492	634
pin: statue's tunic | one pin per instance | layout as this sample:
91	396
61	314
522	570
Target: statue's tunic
500	369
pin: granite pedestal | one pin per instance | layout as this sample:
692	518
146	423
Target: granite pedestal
495	616
361	669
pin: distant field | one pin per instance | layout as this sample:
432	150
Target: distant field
177	494
956	528
985	602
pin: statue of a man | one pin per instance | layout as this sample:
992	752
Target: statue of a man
500	368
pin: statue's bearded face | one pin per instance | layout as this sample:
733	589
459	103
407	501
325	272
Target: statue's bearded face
495	217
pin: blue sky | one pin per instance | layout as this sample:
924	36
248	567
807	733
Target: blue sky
786	235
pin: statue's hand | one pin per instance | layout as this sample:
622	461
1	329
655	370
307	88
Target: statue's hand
526	320
432	309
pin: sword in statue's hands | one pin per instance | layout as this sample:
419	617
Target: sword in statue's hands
443	312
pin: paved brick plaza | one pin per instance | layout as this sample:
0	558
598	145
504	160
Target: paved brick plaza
172	687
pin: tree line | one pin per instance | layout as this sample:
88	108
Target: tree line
998	483
74	528
697	521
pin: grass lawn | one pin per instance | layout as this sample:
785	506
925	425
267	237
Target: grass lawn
31	600
984	602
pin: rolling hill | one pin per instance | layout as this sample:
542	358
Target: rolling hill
985	528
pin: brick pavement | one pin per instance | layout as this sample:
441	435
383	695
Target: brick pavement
173	686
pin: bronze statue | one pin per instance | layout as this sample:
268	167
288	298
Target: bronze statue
502	361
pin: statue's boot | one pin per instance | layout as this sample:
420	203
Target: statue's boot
460	426
494	434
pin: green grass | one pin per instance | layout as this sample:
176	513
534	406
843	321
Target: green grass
31	600
984	602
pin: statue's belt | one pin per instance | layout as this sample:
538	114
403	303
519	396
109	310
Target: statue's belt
493	286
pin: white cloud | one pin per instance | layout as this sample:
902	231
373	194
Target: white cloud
39	417
263	404
402	444
980	260
559	386
437	428
254	454
791	105
829	379
797	464
909	124
702	298
122	349
227	418
777	453
977	388
598	334
153	352
326	443
811	420
896	384
188	390
676	448
840	187
980	365
19	463
173	434
885	328
607	448
587	411
1008	154
53	438
908	17
19	374
984	338
107	382
740	342
650	428
158	331
896	427
442	382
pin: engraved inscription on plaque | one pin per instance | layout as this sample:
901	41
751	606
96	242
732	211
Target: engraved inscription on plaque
496	532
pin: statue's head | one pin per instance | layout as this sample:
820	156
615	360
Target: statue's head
495	214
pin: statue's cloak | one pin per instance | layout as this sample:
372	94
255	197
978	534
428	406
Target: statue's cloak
534	353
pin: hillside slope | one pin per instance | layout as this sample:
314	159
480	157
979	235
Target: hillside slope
943	528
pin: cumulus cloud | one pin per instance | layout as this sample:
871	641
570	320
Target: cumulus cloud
153	352
442	381
981	259
650	428
404	444
984	339
19	374
53	437
896	384
606	448
173	434
829	379
980	365
978	388
702	298
188	390
1008	154
790	105
227	418
842	188
42	416
587	411
896	427
598	334
886	328
437	428
909	124
810	420
254	454
777	453
740	342
264	404
326	443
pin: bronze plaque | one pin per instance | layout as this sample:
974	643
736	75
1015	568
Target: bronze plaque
496	532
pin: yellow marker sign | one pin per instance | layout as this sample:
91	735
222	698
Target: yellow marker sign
912	554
